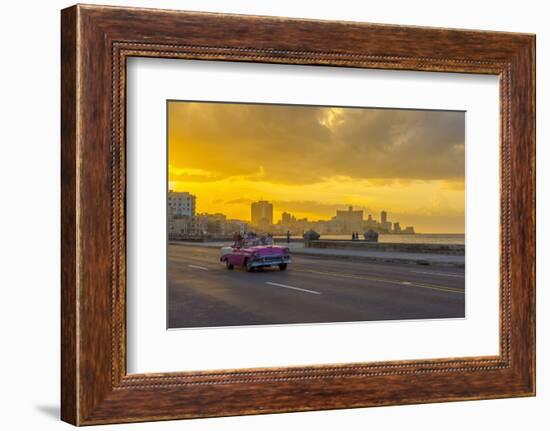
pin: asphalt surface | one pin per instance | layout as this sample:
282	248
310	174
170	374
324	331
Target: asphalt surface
203	293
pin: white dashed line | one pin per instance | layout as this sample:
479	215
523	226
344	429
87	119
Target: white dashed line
293	288
439	273
198	267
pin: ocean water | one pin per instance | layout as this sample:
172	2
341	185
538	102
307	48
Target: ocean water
424	238
418	238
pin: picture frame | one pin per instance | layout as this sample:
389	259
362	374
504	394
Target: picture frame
96	41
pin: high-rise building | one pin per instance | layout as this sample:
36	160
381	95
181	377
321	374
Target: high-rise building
181	204
350	219
385	225
261	214
350	215
181	213
286	218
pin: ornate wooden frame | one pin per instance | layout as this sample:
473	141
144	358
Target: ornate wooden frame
95	43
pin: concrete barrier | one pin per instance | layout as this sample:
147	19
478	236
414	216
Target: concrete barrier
453	249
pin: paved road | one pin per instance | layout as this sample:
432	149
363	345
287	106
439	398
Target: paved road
202	292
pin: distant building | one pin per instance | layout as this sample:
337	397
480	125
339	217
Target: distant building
286	219
370	223
181	204
396	227
181	214
350	218
262	214
213	224
289	223
385	225
232	226
181	226
349	215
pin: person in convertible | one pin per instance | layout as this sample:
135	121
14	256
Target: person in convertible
237	240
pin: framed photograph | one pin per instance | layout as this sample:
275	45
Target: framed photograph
265	215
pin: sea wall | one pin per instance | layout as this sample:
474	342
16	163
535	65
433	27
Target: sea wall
454	249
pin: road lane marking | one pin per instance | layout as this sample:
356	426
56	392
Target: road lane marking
198	267
292	287
439	273
385	280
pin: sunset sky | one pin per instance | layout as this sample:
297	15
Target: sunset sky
311	161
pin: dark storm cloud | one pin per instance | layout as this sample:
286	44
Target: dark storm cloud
294	144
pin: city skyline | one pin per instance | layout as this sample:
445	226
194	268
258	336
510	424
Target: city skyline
313	161
184	220
191	208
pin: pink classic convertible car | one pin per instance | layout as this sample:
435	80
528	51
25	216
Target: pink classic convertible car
255	252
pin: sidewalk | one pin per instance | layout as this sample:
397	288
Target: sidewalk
372	256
